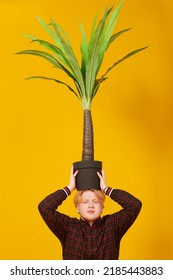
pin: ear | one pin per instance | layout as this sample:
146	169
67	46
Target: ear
77	208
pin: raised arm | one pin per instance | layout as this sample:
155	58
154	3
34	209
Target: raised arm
131	206
56	221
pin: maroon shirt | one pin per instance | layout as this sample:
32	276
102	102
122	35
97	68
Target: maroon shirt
79	240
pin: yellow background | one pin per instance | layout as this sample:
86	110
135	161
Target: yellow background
41	125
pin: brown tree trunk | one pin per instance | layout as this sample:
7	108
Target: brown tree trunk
88	137
87	177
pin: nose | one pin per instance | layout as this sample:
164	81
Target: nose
91	204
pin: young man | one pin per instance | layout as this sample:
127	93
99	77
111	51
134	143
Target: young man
90	237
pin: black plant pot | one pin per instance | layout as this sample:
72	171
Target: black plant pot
87	177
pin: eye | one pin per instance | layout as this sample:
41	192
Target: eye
85	201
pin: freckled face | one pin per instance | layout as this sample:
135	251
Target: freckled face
90	208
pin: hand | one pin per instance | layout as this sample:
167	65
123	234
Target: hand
103	184
72	183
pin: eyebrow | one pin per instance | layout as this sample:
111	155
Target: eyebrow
86	199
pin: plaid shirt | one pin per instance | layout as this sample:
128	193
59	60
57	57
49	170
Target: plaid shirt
79	240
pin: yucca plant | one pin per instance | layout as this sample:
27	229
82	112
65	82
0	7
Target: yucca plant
85	76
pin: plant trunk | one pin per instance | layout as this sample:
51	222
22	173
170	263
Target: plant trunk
88	136
87	177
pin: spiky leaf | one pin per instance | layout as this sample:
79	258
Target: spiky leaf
55	80
122	59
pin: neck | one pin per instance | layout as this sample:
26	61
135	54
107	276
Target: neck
90	223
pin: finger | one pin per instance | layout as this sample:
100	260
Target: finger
76	172
99	175
103	173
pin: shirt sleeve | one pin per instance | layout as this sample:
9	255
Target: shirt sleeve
56	221
131	207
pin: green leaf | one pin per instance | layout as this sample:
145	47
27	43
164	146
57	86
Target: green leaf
53	24
110	25
72	60
97	85
44	55
50	58
116	35
93	29
84	50
55	80
30	36
92	63
107	33
122	59
57	51
50	32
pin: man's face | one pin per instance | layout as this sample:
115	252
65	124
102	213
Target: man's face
90	208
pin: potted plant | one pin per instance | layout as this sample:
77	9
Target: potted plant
85	77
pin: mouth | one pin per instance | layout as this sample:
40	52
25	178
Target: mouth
90	212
